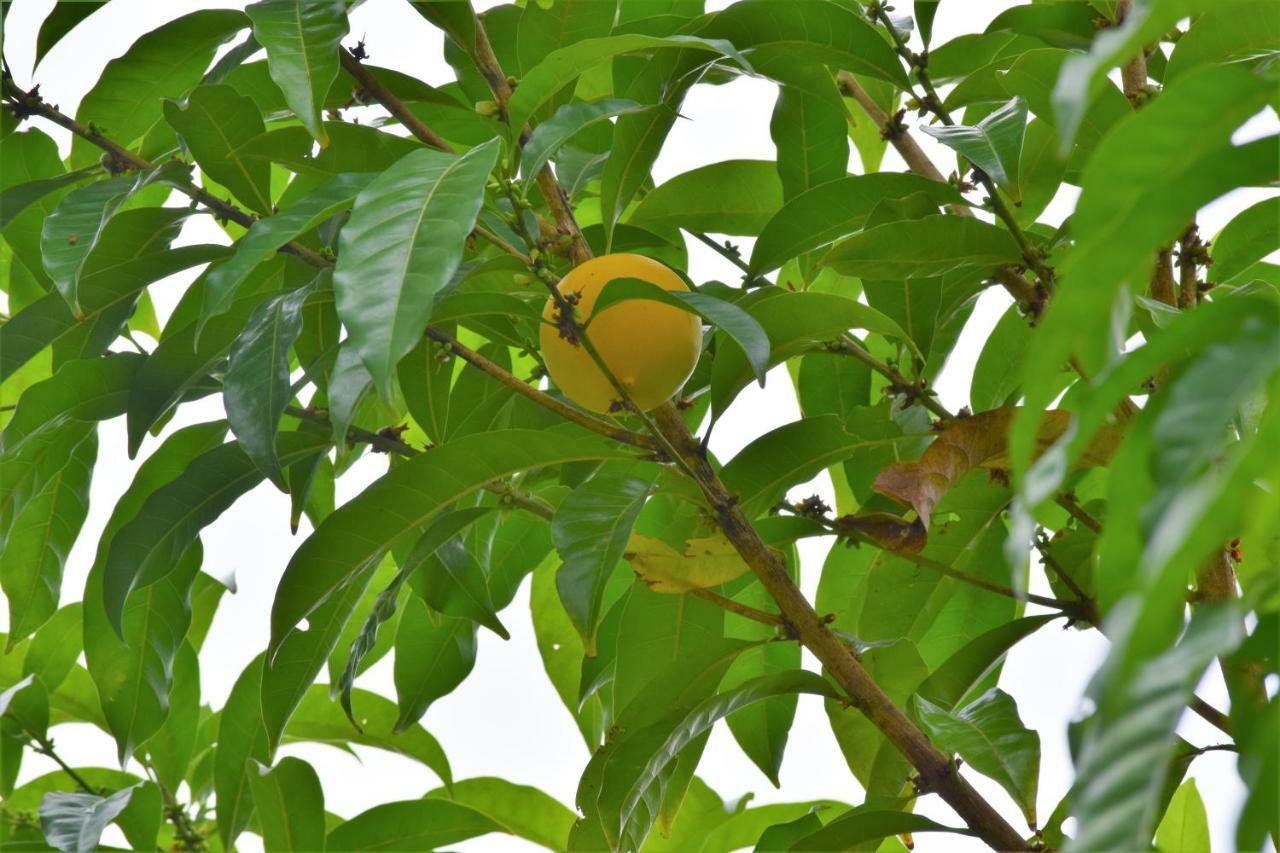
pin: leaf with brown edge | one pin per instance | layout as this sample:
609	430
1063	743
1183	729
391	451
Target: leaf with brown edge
706	561
980	440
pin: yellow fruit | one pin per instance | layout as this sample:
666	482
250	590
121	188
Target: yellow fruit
650	347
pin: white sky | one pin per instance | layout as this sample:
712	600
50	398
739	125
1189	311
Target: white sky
506	720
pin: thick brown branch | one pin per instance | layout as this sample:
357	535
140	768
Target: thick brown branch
1133	76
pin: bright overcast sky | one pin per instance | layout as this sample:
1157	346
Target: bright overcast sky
506	719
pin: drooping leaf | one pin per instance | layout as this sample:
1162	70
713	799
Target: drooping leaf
729	197
302	40
809	129
242	737
17	197
74	823
931	246
453	582
591	529
170	749
62	19
1248	238
994	144
168	62
402	245
84	390
289	804
213	122
411	824
434	654
568	121
1185	825
519	810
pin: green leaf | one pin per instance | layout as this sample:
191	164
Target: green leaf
403	243
1247	239
1185	825
34	553
256	385
780	837
169	750
213	122
824	32
302	39
994	144
763	728
591	529
453	582
242	737
997	375
1067	25
1040	171
28	157
56	646
75	822
519	810
740	326
567	122
411	494
1120	766
809	129
17	197
824	214
866	823
434	654
319	720
61	20
411	825
168	62
143	550
561	67
728	197
1226	33
931	246
990	736
27	704
289	803
973	663
84	390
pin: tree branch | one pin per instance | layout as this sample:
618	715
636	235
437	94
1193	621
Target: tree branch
735	607
374	87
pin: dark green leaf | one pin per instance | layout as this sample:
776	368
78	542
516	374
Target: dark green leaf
256	386
242	737
167	62
411	825
289	803
402	245
809	129
434	654
86	390
62	19
740	326
73	230
994	144
453	582
169	750
213	122
591	529
826	213
302	39
75	822
729	197
568	121
931	246
27	704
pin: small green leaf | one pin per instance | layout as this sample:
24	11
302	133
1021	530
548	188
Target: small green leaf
994	144
411	825
434	654
302	39
212	123
453	582
289	803
61	20
728	197
591	529
519	810
27	704
402	245
1247	239
568	121
1185	825
931	246
74	823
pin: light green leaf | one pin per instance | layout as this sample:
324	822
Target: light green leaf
997	374
994	144
17	197
809	128
931	246
567	122
302	39
168	62
866	823
1247	239
729	197
402	245
289	803
824	214
990	736
256	385
591	529
56	646
519	810
1225	33
213	122
1185	825
411	825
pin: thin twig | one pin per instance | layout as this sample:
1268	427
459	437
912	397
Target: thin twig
44	746
1212	715
735	607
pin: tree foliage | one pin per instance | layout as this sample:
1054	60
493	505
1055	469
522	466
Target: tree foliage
389	247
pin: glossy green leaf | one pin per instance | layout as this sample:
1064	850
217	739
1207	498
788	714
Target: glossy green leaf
34	553
561	67
826	213
434	654
167	62
931	246
1185	825
591	529
568	121
1245	240
242	737
519	810
289	803
169	750
74	823
213	122
73	230
969	666
85	390
410	495
17	197
411	825
740	326
729	197
256	385
869	824
990	736
453	582
26	158
302	39
402	245
994	144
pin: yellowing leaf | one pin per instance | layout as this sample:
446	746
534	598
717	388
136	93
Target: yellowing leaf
706	561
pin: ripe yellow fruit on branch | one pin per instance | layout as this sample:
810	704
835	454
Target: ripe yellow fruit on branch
650	347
